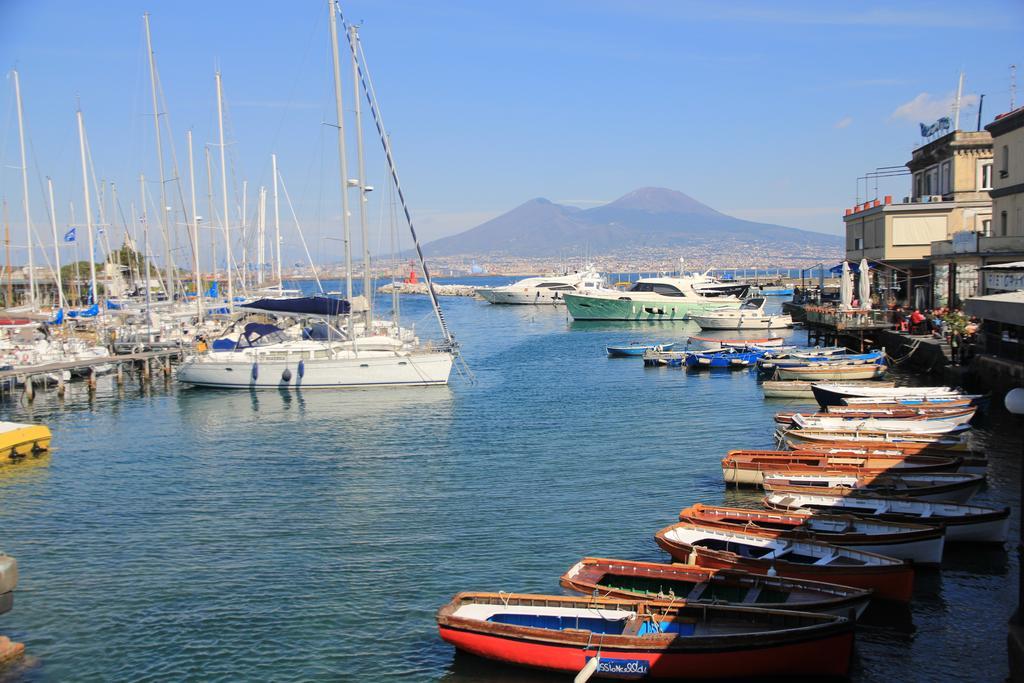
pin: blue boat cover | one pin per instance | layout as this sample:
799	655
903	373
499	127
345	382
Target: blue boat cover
309	305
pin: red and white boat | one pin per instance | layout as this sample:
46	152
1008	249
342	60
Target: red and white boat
767	552
970	523
614	638
915	543
656	581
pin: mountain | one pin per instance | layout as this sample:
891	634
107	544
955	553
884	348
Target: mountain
647	217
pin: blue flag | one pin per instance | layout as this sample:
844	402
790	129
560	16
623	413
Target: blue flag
70	235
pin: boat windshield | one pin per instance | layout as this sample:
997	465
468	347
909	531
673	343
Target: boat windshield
260	334
657	288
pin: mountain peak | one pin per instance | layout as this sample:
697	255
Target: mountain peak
660	200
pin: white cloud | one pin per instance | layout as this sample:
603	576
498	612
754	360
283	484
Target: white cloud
925	108
844	122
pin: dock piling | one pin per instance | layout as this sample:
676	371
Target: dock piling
30	391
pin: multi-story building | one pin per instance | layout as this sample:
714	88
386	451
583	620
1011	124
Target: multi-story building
965	265
950	178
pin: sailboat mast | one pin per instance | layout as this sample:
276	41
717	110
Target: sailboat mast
56	244
361	178
209	202
164	227
261	227
7	259
245	245
224	191
197	275
342	157
24	190
277	227
145	255
88	207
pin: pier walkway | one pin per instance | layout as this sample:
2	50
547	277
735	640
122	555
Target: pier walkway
89	368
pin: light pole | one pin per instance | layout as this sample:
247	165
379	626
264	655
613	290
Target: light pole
1014	402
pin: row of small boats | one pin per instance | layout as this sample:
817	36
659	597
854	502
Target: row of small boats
864	492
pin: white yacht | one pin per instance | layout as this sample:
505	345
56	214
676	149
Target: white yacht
749	316
545	290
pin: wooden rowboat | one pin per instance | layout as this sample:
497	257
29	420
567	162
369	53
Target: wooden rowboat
610	637
815	372
974	462
958	415
939	425
899	410
954	487
761	342
971	523
749	467
655	581
802	389
915	543
797	438
765	552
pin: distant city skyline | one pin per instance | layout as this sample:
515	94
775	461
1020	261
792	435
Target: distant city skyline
765	114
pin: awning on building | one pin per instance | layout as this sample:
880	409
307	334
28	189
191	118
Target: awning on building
996	266
1005	308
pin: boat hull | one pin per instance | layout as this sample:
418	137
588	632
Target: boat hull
668	309
839	372
24	440
749	322
530	297
417	369
819	656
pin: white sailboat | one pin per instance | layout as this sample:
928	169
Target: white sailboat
321	342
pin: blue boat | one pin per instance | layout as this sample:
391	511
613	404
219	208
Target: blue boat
726	358
636	349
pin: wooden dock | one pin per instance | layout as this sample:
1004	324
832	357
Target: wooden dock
141	364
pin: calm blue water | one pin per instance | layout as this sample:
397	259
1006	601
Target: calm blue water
185	534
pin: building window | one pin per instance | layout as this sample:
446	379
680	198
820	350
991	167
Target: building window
858	243
985	181
944	186
1004	168
1003	220
986	225
918	185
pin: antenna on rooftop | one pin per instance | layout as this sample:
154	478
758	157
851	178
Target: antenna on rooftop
1013	86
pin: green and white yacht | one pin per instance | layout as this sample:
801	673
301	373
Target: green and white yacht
654	299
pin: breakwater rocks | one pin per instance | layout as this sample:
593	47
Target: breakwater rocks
421	288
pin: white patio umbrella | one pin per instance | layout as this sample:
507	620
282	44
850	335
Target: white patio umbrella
845	288
864	293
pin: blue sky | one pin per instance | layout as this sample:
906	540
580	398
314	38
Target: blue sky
766	112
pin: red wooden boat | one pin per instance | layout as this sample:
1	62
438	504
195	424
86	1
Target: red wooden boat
765	552
917	543
14	322
748	467
656	581
973	461
614	638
